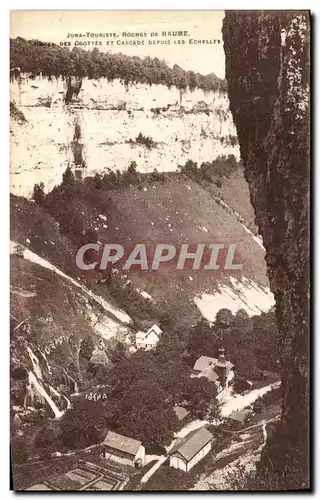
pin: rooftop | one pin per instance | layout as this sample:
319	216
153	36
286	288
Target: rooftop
122	443
238	416
205	362
210	374
191	444
155	328
180	412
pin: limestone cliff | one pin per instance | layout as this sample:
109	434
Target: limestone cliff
110	115
267	69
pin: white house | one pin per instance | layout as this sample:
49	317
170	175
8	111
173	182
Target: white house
123	449
191	449
217	370
148	340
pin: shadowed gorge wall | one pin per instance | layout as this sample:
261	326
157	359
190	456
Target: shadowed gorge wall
267	70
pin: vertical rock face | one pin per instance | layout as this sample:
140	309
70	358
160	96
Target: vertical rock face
184	126
267	69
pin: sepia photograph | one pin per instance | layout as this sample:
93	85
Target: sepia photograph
159	250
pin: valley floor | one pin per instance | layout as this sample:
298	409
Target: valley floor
233	449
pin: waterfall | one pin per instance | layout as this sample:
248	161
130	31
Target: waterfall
35	364
53	391
68	402
46	361
68	378
35	390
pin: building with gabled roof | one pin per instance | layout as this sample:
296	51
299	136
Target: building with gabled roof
189	450
123	449
218	370
148	340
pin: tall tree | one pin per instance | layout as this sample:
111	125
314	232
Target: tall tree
201	394
203	341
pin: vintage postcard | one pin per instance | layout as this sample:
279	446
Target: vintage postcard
159	250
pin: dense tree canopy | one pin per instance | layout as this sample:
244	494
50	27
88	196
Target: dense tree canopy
200	395
147	386
83	424
34	56
250	343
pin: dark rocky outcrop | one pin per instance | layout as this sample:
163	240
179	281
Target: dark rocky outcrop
16	114
267	69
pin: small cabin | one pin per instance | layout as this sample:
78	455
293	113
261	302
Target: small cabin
123	449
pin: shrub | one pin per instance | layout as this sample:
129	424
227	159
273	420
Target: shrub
97	181
190	169
212	172
38	193
201	107
45	102
130	176
68	177
257	406
122	106
19	251
118	180
156	176
144	141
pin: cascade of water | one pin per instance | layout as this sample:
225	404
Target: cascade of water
36	389
35	363
46	361
68	402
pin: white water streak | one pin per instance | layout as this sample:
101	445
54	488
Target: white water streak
35	363
35	387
